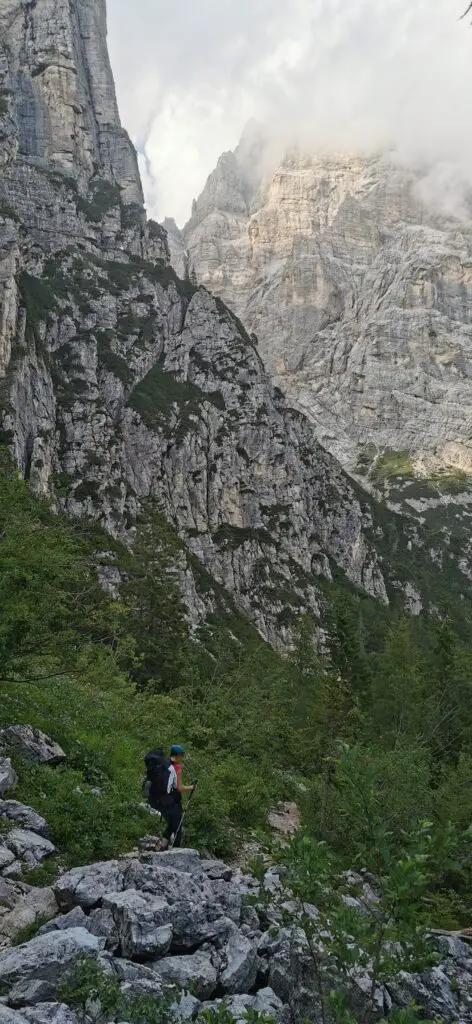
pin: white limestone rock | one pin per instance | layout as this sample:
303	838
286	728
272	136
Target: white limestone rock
28	846
86	886
46	957
32	744
8	776
195	972
25	817
142	922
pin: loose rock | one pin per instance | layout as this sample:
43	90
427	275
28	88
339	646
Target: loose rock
6	857
142	922
46	957
102	924
35	905
8	776
195	971
74	919
28	993
241	964
29	847
32	744
87	886
50	1013
25	817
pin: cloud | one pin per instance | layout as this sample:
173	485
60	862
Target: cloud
357	75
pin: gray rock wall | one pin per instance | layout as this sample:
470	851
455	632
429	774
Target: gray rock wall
359	293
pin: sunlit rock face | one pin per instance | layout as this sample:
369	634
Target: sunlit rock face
359	292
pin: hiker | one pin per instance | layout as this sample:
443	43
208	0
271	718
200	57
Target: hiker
165	790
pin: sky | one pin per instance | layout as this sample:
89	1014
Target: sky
356	75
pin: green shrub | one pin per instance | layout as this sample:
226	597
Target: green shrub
161	396
392	464
29	931
104	196
111	360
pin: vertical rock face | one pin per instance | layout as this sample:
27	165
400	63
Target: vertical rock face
118	380
359	293
58	86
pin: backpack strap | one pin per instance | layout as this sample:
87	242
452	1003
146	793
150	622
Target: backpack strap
172	783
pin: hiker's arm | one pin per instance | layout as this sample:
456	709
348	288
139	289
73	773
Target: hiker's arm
181	788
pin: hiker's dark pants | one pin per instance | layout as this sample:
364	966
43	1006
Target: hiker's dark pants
172	815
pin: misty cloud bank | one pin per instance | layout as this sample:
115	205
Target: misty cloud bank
351	75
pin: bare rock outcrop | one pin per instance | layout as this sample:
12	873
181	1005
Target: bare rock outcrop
359	292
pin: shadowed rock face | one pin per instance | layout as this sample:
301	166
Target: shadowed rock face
360	296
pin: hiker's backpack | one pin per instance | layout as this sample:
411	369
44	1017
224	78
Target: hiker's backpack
160	778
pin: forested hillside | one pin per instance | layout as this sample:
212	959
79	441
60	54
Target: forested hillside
369	740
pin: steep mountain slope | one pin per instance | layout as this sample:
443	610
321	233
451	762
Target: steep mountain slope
360	296
121	382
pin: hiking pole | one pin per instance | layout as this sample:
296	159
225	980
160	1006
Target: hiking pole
174	837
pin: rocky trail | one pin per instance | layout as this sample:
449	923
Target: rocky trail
177	926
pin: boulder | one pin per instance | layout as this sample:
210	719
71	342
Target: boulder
142	922
24	816
189	899
185	1008
102	924
6	857
291	971
28	846
433	992
226	899
9	893
28	993
47	957
9	1016
217	870
32	744
135	973
264	1001
240	972
14	870
8	776
188	861
37	904
195	972
74	919
50	1013
86	886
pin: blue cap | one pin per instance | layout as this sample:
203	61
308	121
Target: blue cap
176	749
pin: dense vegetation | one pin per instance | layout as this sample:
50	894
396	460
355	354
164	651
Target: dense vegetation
370	739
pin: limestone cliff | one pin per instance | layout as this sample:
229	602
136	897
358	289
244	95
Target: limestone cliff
118	380
360	295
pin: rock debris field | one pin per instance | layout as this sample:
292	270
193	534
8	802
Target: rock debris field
177	925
